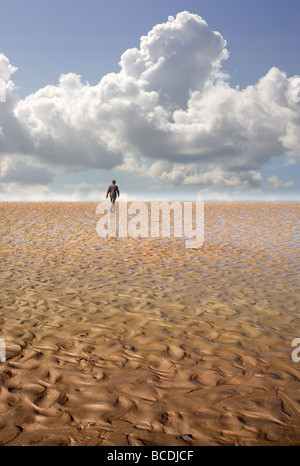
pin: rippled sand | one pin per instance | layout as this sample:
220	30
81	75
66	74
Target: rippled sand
145	342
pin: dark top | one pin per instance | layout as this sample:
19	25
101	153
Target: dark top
113	191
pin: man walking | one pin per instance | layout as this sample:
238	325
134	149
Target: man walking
113	192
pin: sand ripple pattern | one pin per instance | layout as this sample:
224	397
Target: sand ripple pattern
144	342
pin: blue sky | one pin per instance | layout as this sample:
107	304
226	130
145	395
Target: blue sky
45	39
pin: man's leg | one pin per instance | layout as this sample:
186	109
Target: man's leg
113	200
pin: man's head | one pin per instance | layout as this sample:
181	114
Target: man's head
113	181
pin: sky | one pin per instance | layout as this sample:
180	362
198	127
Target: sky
175	99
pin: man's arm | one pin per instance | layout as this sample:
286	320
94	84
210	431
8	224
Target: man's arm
108	191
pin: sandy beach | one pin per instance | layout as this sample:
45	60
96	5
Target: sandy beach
144	342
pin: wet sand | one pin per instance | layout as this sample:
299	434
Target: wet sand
144	342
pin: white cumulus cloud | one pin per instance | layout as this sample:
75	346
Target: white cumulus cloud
169	113
276	182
